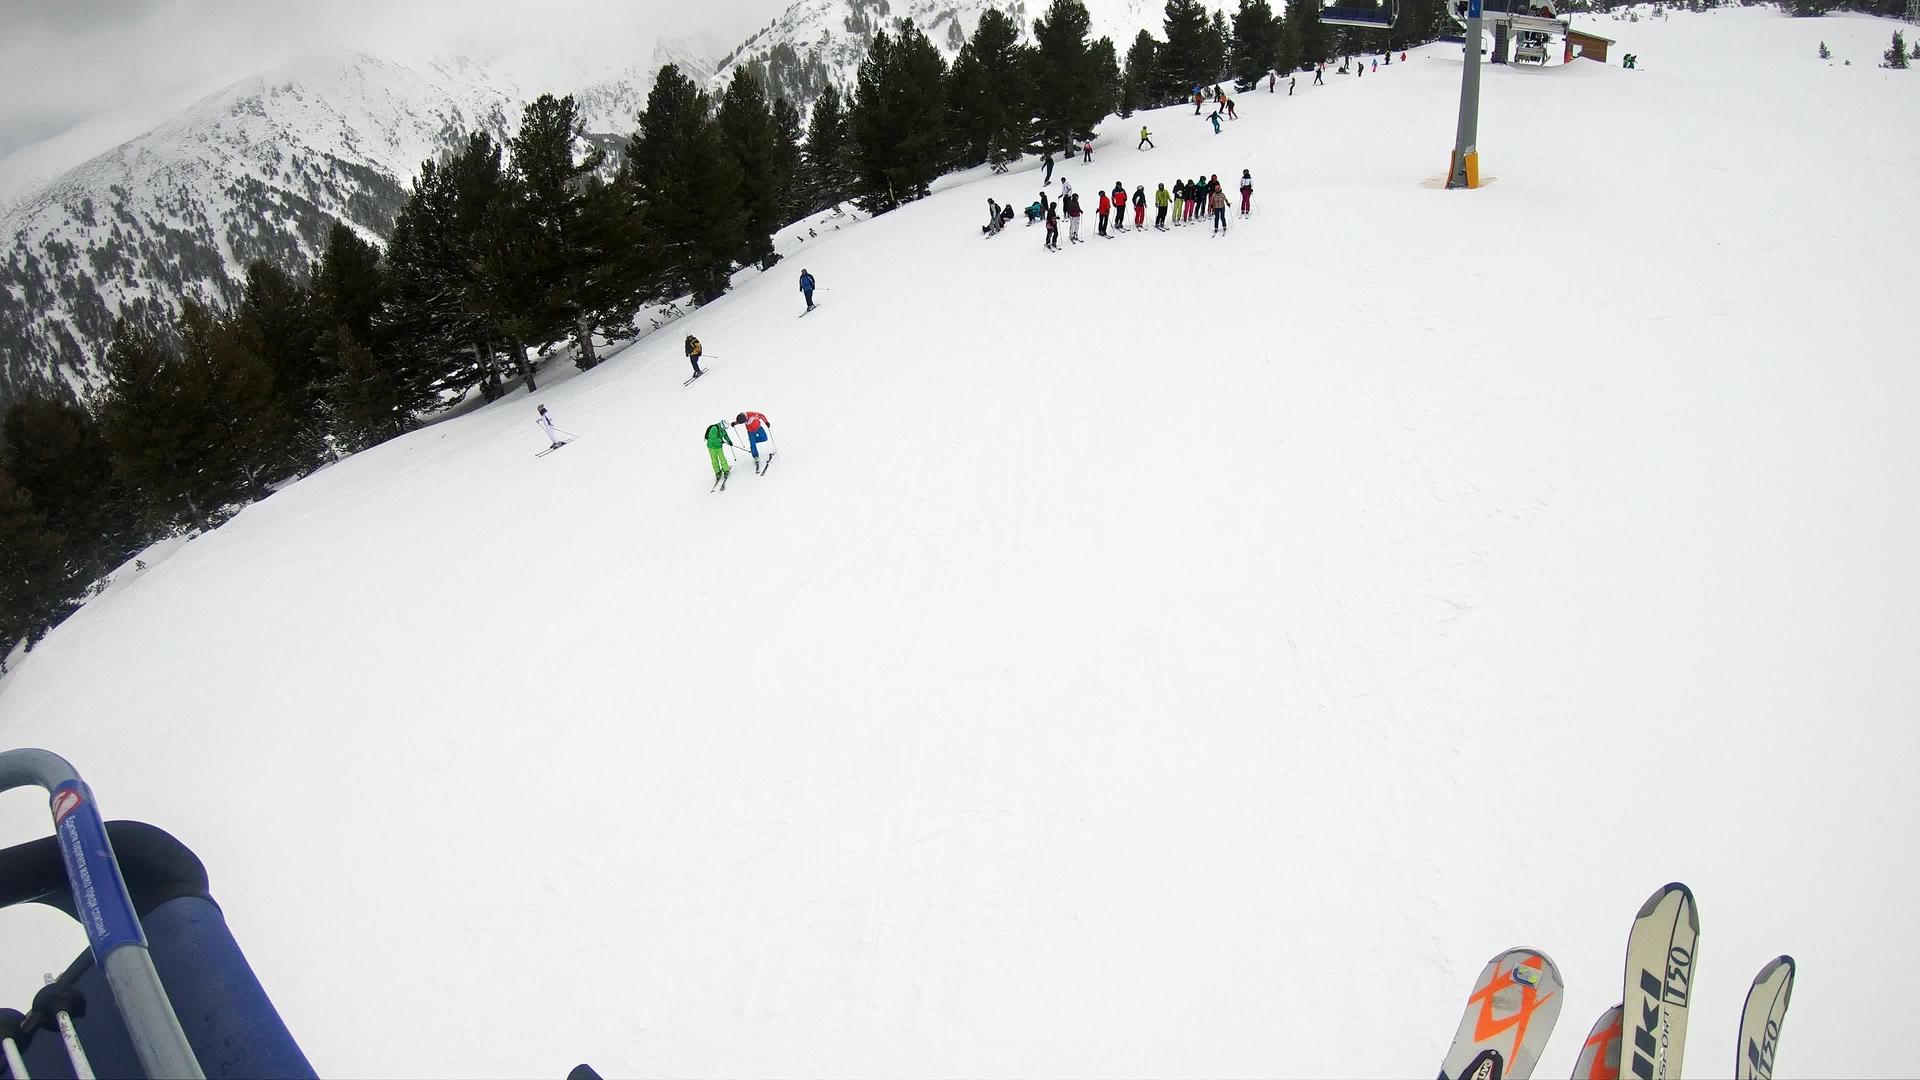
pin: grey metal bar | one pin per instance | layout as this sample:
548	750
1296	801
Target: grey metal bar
120	950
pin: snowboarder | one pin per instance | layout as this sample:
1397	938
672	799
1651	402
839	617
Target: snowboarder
1046	168
1217	202
546	425
1246	192
1119	207
1053	229
1106	207
693	354
1073	221
759	430
1215	117
806	287
1140	207
717	438
1319	73
1088	159
1146	138
1162	200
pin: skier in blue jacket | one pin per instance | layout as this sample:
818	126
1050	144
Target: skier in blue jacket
806	288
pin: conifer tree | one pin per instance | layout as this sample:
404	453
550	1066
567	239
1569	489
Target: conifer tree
824	158
275	322
1896	54
1074	86
747	128
992	99
34	583
59	458
1303	40
688	187
787	132
1219	46
550	176
897	124
1140	84
1183	57
362	403
194	430
1256	41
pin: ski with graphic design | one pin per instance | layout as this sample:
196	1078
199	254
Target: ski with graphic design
1659	983
1600	1054
1509	1015
1760	1021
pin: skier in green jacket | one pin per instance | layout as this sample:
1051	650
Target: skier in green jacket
717	438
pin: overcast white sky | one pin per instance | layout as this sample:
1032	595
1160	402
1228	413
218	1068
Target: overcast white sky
63	62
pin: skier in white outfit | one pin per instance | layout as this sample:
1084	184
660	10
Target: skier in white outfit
546	425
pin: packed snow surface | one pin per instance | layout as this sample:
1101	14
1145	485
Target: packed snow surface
1171	656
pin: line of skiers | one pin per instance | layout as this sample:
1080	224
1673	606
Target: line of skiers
1186	202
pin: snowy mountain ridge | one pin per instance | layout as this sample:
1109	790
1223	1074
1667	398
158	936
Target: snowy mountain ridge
259	169
815	42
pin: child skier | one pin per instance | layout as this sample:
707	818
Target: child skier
1215	117
717	438
1088	159
1140	207
1053	229
806	287
1073	221
546	425
1162	200
1106	207
1217	202
759	430
693	354
1246	192
1046	167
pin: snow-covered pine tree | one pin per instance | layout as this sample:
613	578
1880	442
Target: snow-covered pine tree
1896	55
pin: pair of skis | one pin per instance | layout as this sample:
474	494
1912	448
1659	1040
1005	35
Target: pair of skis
1516	1001
552	448
760	468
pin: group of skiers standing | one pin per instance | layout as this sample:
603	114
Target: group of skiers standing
1186	202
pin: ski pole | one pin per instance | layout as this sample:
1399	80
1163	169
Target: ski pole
567	433
63	1005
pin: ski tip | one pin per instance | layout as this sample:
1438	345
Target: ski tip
1773	965
1669	889
583	1071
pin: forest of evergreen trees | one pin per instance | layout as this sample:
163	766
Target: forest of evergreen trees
504	254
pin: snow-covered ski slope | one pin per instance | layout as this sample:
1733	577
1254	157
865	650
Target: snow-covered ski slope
1172	656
